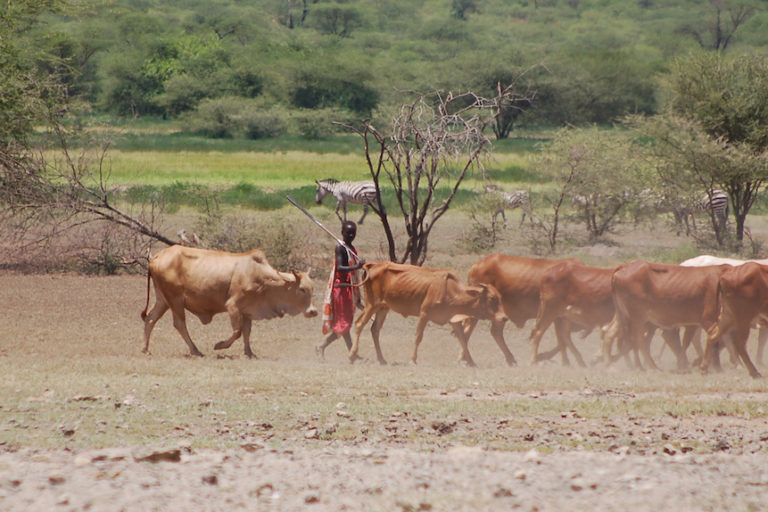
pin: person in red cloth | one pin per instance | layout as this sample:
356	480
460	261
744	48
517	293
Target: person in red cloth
342	297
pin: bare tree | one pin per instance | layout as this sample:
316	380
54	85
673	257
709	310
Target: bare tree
728	17
47	193
434	143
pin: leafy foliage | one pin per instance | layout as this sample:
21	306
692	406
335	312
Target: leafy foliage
598	58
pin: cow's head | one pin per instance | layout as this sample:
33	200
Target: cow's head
489	299
304	288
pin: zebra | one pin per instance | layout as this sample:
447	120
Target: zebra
358	192
718	204
511	200
683	210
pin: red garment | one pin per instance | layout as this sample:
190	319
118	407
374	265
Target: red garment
342	303
341	299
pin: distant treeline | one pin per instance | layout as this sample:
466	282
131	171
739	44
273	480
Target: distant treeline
268	67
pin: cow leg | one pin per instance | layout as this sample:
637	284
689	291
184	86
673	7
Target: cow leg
672	338
180	323
643	343
245	327
714	337
739	343
381	315
608	335
543	320
497	331
692	336
762	337
565	342
464	354
363	319
158	310
236	319
423	319
468	326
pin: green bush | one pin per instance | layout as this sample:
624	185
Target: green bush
319	124
263	124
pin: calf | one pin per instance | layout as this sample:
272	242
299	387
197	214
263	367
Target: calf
432	295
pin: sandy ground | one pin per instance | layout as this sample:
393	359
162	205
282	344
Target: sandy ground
659	463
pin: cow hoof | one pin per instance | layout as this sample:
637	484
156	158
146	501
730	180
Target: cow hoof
220	345
195	354
320	352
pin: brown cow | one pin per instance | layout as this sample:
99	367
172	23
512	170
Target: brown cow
744	297
762	324
434	296
517	279
648	295
580	294
204	282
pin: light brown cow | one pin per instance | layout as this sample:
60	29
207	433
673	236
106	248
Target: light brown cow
205	283
580	294
517	279
648	295
744	297
432	295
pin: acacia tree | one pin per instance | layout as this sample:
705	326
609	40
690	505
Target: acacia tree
714	133
591	169
434	143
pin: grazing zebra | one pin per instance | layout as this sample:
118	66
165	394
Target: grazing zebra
512	200
358	192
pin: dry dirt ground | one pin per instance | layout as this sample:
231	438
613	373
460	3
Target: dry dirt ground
518	459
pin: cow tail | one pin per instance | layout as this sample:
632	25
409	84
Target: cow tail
363	280
146	307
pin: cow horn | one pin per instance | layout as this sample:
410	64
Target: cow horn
296	275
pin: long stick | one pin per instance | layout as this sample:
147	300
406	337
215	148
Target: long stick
297	205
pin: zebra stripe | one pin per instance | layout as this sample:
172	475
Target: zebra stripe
717	203
357	192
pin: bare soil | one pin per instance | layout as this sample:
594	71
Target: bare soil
505	459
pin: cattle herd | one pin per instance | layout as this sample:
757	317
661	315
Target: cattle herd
723	298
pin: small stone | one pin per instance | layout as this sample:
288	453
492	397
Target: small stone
669	449
520	474
210	480
56	479
312	433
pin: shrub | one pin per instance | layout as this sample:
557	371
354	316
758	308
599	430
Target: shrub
318	124
264	124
